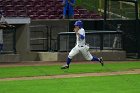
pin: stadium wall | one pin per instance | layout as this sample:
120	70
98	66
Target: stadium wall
22	39
55	26
131	33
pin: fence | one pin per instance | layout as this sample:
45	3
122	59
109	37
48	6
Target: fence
44	37
99	40
39	38
9	40
119	9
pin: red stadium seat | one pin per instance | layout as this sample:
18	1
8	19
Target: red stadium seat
20	7
60	16
60	1
21	13
8	2
43	17
33	16
53	17
9	7
41	13
59	6
18	2
1	7
51	2
52	11
40	0
38	3
29	3
31	12
76	11
82	11
59	11
29	8
84	16
76	16
93	15
10	13
41	9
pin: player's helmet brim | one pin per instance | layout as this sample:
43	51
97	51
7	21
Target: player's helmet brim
78	23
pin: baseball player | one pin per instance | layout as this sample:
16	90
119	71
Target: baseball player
80	46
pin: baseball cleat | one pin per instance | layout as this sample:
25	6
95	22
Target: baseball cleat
65	67
101	61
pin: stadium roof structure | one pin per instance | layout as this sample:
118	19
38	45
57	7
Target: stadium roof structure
18	20
106	7
126	0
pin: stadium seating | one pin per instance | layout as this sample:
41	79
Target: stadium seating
41	9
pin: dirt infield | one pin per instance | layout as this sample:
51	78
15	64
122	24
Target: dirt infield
135	71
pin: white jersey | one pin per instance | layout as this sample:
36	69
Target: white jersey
79	41
81	46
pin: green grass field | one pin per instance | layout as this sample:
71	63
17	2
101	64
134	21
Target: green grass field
104	84
27	71
96	84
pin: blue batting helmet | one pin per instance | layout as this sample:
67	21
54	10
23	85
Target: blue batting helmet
79	23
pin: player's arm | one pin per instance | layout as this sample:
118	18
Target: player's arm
81	36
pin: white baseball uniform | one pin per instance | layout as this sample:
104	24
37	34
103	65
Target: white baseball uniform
81	46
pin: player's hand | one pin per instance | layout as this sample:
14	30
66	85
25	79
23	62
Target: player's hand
2	26
75	30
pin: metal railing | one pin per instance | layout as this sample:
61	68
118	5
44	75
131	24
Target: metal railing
100	40
9	40
39	38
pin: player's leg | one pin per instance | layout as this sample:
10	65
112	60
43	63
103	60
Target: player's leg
98	59
64	14
71	14
72	53
89	57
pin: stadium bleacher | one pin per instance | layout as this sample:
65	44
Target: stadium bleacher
41	9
